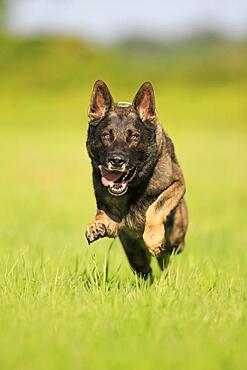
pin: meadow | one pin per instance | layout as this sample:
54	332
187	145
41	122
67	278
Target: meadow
65	305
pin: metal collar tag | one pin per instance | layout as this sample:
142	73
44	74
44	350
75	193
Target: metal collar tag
123	104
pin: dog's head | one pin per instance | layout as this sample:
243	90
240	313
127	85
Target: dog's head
121	136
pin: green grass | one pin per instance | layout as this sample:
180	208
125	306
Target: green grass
65	305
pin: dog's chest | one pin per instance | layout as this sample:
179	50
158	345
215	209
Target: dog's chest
136	216
129	210
135	221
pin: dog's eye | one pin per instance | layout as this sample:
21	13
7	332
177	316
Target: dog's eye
106	136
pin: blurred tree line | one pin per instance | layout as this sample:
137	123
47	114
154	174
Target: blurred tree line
66	61
44	61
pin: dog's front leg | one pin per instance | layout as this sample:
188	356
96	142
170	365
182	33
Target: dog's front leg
156	215
102	226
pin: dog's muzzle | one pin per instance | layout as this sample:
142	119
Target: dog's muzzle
117	181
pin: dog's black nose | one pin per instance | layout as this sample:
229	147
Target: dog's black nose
117	159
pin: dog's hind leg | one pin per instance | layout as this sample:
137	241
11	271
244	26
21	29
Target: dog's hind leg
137	253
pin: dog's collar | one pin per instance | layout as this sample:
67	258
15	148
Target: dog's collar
123	104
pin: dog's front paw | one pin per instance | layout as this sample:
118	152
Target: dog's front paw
154	238
95	231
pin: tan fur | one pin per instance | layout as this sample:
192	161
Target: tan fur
103	225
154	234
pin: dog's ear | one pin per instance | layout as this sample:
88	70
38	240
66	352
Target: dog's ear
144	103
101	101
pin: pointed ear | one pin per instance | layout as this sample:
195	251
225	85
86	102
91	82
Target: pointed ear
101	101
144	103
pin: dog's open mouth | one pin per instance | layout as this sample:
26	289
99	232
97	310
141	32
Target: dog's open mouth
116	181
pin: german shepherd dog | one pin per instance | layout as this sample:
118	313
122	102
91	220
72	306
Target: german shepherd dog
138	183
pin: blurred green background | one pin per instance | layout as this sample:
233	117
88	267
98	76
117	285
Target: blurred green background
64	305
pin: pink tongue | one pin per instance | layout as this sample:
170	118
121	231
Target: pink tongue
108	177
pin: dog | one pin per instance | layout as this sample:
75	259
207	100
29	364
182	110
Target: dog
138	183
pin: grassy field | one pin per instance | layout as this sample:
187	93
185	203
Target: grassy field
64	305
